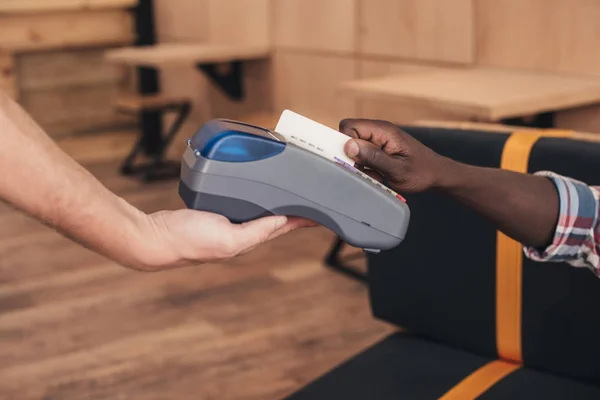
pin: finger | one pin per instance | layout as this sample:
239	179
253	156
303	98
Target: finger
292	224
380	133
368	155
370	172
346	127
374	174
255	232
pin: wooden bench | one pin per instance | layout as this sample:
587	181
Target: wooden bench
184	54
41	25
133	104
138	105
222	64
483	94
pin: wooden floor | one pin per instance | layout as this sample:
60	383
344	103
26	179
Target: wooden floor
75	326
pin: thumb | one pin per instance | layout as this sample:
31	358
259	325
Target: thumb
255	232
370	156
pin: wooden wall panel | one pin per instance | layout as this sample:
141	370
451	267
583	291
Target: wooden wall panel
55	70
308	84
328	25
240	22
63	30
372	69
258	85
182	81
74	109
544	35
209	102
224	22
397	112
583	119
8	84
70	91
439	30
218	21
182	20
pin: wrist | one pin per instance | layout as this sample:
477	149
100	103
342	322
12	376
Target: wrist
157	248
450	174
133	247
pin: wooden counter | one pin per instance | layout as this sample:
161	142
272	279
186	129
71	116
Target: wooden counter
482	94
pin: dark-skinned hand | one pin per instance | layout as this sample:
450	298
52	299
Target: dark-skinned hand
523	206
380	147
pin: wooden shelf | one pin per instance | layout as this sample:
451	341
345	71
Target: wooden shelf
184	54
42	6
136	103
481	94
36	26
65	29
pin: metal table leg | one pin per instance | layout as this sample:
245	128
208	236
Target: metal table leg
334	261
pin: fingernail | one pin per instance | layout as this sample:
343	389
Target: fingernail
352	149
280	222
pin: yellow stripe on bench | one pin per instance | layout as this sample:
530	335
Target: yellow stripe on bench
509	253
481	380
509	266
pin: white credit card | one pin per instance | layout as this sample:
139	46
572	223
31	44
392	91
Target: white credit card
313	136
322	140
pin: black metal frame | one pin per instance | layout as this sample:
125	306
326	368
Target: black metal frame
157	168
541	121
333	259
231	82
152	142
148	78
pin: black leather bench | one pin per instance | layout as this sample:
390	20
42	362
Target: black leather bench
442	289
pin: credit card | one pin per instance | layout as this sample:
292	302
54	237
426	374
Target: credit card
324	141
313	136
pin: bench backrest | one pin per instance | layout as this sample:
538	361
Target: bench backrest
442	281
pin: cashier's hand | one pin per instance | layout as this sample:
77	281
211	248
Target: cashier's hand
188	237
387	152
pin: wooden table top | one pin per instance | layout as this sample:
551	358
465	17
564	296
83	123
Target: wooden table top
481	93
184	54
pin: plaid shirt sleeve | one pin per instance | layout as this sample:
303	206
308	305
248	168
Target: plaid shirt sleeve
577	237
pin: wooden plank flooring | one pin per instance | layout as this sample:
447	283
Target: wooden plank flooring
75	326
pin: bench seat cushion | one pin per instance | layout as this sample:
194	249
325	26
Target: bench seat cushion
408	367
399	367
